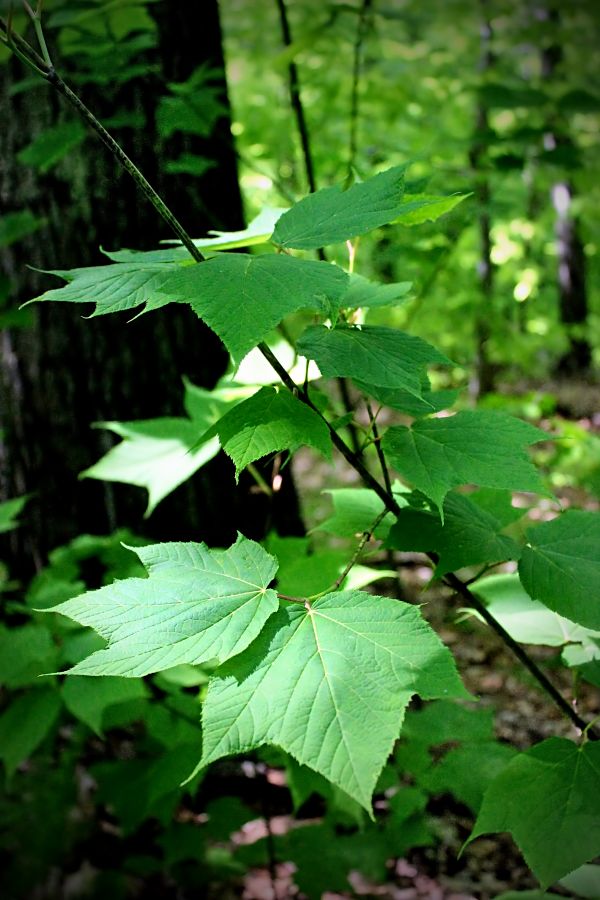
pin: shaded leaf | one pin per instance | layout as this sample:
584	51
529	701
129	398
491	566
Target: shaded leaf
382	356
9	510
88	699
560	566
25	724
468	536
270	421
51	145
484	448
429	402
547	798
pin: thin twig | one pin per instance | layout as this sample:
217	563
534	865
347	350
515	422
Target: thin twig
296	100
367	535
379	450
35	61
361	31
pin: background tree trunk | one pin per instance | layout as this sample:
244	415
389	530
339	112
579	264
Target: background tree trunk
571	273
63	373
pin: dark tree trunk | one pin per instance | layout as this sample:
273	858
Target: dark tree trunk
571	274
63	373
482	379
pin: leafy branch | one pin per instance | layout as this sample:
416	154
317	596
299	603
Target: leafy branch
43	66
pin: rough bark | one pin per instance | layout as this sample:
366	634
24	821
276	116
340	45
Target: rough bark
63	373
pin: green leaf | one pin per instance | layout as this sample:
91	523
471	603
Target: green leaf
25	724
419	208
484	447
196	605
332	215
429	401
270	421
157	454
466	772
362	292
383	356
547	798
303	573
160	454
25	653
52	145
87	699
329	684
18	225
560	566
258	231
583	882
445	721
468	536
525	619
243	297
9	510
354	511
113	288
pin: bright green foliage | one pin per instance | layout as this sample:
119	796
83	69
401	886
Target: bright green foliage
9	510
52	145
329	685
354	511
468	535
405	401
528	621
362	292
25	724
113	288
269	421
418	208
243	297
333	215
25	653
258	232
157	454
547	798
561	566
160	454
484	448
372	353
89	698
196	605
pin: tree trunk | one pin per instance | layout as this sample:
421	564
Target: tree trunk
482	379
571	274
62	374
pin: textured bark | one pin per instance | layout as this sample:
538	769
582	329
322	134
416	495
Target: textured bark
64	373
